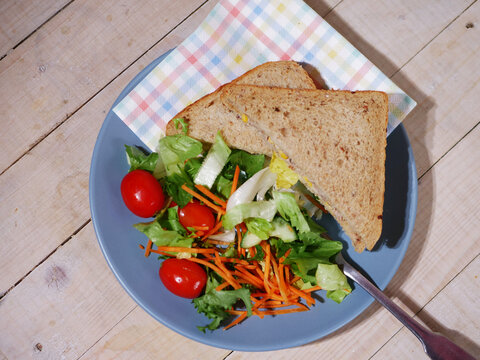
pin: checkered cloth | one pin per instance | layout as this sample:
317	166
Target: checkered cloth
238	35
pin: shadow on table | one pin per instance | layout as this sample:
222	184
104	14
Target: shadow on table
421	117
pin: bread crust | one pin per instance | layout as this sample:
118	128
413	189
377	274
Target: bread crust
208	115
335	141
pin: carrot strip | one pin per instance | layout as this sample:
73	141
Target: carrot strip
222	286
276	272
266	248
228	274
184	249
201	198
239	240
246	275
295	279
141	246
236	321
235	180
212	230
314	288
308	298
200	228
211	195
148	249
215	268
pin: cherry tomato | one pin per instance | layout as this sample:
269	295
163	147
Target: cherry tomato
182	277
195	214
142	193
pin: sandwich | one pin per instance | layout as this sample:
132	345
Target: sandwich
208	115
334	140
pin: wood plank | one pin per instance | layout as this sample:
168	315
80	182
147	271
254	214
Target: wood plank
444	80
454	312
390	33
18	19
38	204
139	336
48	189
42	160
43	80
443	243
64	305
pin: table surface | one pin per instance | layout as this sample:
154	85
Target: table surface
64	62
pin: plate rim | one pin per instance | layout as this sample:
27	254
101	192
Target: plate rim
412	207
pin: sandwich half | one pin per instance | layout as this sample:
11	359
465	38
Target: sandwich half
208	115
334	140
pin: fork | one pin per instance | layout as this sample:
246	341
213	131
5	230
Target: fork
435	345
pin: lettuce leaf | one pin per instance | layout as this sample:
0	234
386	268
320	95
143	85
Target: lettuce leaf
137	159
259	227
154	231
214	304
258	209
289	210
214	162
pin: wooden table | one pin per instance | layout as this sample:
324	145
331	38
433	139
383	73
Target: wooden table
64	62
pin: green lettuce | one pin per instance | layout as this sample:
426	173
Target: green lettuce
259	227
332	279
137	159
289	210
214	304
258	209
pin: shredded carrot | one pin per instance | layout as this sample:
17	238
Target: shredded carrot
201	198
295	279
211	195
235	180
313	288
212	230
200	228
215	268
239	240
266	248
248	276
148	249
308	298
184	249
222	286
236	321
141	246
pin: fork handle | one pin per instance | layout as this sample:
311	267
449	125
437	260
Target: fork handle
436	346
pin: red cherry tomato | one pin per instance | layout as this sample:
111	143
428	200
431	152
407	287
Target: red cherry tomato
182	277
142	193
195	214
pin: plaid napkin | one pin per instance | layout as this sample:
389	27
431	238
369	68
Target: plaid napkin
238	35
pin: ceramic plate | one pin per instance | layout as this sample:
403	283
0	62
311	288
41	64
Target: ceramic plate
139	275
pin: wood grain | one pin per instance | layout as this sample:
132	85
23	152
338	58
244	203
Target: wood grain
48	188
64	305
391	33
442	245
452	313
70	59
139	336
18	19
72	306
441	80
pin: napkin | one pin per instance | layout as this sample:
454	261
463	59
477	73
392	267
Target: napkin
238	35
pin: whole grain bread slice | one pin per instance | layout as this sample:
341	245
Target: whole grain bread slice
335	141
209	115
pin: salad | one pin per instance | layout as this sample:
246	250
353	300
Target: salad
234	230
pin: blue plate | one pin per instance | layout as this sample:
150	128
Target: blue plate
139	275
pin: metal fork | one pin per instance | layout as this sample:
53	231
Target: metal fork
436	346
